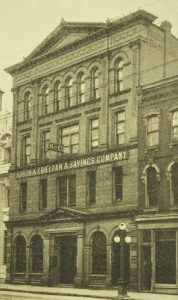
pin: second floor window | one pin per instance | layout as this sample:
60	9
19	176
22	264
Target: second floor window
120	127
174	179
23	196
70	139
81	88
91	187
43	193
45	143
152	131
95	84
57	96
27	106
119	76
69	92
26	150
94	134
175	126
67	190
45	100
152	187
118	183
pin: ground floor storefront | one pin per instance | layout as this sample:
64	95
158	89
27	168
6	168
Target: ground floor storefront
70	248
158	253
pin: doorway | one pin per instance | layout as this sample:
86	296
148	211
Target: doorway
146	269
67	265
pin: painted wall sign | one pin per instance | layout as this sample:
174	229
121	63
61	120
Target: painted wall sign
74	164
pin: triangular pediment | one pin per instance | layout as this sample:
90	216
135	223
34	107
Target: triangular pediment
63	213
64	34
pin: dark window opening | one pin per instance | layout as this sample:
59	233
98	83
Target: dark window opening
43	193
99	254
20	255
23	196
37	254
118	183
92	187
175	183
152	187
67	190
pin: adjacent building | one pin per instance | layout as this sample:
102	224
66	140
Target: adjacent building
5	150
77	93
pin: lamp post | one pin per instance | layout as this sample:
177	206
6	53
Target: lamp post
122	238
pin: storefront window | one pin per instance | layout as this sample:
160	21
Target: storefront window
99	254
165	257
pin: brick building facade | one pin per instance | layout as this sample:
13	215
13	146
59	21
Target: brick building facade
78	89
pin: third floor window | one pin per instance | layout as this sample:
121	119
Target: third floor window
57	96
27	106
175	126
119	76
45	100
120	127
69	93
95	84
94	134
81	88
70	139
44	145
67	190
26	149
152	131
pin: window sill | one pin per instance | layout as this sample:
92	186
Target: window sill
120	93
151	148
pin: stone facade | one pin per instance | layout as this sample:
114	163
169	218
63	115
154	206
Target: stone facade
79	89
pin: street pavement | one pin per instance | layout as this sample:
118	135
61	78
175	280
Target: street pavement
29	292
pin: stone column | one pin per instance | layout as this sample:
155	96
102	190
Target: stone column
9	257
87	270
79	264
46	260
109	264
34	135
27	279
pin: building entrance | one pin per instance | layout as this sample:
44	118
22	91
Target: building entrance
68	252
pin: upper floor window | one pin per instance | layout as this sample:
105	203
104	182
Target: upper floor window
118	183
174	177
45	143
91	187
120	127
94	134
23	196
43	193
69	92
152	131
175	126
45	100
81	88
25	150
95	84
70	139
27	106
57	96
119	76
67	190
152	187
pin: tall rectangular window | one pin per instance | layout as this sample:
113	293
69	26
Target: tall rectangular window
67	190
165	248
120	127
23	196
91	187
45	143
152	131
70	139
94	133
26	150
175	126
118	183
43	193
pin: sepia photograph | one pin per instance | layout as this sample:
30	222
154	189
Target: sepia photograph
88	149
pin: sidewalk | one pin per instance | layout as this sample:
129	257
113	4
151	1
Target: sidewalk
69	291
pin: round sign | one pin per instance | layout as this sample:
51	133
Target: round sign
117	239
122	226
128	239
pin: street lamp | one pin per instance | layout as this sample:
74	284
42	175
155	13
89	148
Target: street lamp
122	238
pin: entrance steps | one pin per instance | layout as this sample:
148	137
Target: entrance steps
97	281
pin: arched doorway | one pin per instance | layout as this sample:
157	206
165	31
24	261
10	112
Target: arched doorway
99	253
115	272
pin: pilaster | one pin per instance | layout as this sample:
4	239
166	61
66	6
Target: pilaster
34	135
79	273
46	260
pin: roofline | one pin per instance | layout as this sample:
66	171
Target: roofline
110	24
159	83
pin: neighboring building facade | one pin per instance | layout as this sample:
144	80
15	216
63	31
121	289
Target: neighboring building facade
78	89
158	187
5	150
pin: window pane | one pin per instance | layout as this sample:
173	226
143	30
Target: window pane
153	124
175	118
94	123
74	139
66	141
175	133
153	138
152	186
63	190
120	128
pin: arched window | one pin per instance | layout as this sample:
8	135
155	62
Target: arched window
27	105
119	76
69	92
152	187
20	254
45	100
174	171
99	254
37	254
57	96
81	88
95	84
